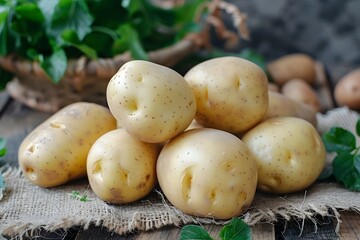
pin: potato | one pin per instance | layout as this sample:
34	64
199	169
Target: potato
299	90
290	154
120	168
291	66
207	172
231	93
55	152
282	106
273	87
194	124
347	90
152	102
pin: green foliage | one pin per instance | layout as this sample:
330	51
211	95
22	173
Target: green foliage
237	229
80	197
51	32
346	164
189	232
2	147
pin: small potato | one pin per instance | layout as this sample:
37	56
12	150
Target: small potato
299	90
55	152
290	154
282	106
231	93
207	172
347	90
273	87
120	168
152	102
292	66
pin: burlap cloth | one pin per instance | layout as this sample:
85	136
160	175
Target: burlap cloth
26	207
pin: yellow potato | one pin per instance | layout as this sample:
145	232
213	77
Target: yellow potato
55	152
289	153
291	66
120	168
231	93
207	172
282	106
273	87
299	90
152	102
347	90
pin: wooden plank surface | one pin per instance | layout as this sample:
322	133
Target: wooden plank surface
350	226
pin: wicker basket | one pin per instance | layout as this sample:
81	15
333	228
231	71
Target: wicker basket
84	80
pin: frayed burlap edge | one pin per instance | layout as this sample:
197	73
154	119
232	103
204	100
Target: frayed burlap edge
172	216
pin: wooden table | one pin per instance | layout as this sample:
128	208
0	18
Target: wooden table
16	121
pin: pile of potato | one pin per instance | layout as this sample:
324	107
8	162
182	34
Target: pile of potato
209	139
294	75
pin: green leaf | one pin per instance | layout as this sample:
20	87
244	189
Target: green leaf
5	77
101	42
70	38
30	11
33	55
254	57
346	167
339	140
132	6
129	39
358	127
326	173
237	229
48	8
81	198
55	65
3	152
194	232
3	32
73	15
2	147
2	186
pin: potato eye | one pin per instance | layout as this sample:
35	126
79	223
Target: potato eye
186	184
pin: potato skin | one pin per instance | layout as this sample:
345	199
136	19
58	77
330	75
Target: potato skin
55	152
347	90
120	168
231	93
282	106
299	90
297	65
207	172
273	87
152	102
289	153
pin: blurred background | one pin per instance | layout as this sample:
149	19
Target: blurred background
328	30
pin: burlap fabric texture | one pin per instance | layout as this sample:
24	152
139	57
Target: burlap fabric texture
26	207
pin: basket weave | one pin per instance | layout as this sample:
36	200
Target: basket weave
84	80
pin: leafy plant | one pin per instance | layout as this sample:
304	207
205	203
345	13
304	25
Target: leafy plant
237	229
51	32
80	197
2	147
346	164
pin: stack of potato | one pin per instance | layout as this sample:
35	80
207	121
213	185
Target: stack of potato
294	75
243	138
